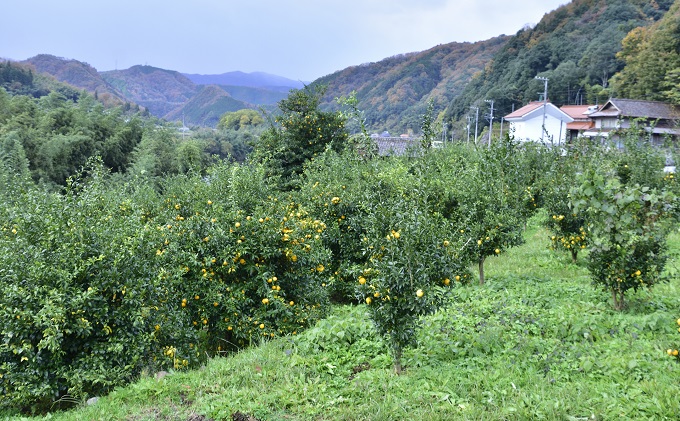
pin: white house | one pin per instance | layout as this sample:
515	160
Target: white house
527	123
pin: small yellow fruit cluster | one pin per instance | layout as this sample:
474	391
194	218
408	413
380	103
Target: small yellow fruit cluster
393	235
674	352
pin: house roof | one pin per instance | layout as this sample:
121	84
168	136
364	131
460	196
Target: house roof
617	107
395	145
521	112
578	112
581	125
534	109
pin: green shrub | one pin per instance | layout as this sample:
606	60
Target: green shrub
413	258
77	286
628	226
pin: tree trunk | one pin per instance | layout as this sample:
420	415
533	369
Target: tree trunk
574	255
397	360
481	271
618	299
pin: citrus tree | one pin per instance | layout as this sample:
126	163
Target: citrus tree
567	228
79	290
413	258
494	200
300	133
628	225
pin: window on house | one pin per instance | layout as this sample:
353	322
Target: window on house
609	123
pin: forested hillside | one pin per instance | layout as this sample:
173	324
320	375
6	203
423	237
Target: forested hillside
206	106
589	50
652	58
78	74
20	79
394	92
575	47
159	90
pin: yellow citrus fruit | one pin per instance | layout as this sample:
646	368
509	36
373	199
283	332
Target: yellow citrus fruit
446	243
669	351
498	251
238	224
362	280
261	325
292	303
368	300
265	301
675	352
447	281
457	277
419	293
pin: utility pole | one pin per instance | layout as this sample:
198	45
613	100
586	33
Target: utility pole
490	101
476	120
469	120
545	103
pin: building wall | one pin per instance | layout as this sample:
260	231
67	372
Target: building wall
530	130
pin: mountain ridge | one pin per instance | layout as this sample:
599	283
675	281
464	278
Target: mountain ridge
239	78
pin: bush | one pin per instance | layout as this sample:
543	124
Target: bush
78	293
110	279
628	226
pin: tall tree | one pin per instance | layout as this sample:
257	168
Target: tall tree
299	134
652	57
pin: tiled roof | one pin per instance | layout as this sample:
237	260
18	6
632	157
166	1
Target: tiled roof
637	108
395	145
577	112
525	110
580	125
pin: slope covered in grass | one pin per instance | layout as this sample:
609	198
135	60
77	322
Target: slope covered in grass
536	342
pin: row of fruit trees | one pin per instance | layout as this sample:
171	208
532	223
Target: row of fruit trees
117	275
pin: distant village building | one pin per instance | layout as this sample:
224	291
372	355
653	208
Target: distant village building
660	119
527	123
582	121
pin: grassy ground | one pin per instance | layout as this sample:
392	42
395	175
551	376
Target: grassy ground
536	342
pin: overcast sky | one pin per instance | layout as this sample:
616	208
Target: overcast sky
298	39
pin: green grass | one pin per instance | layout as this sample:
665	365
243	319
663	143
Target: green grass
536	342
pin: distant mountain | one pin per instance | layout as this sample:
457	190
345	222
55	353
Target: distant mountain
168	93
159	90
393	93
22	79
253	80
78	74
259	96
206	107
576	47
